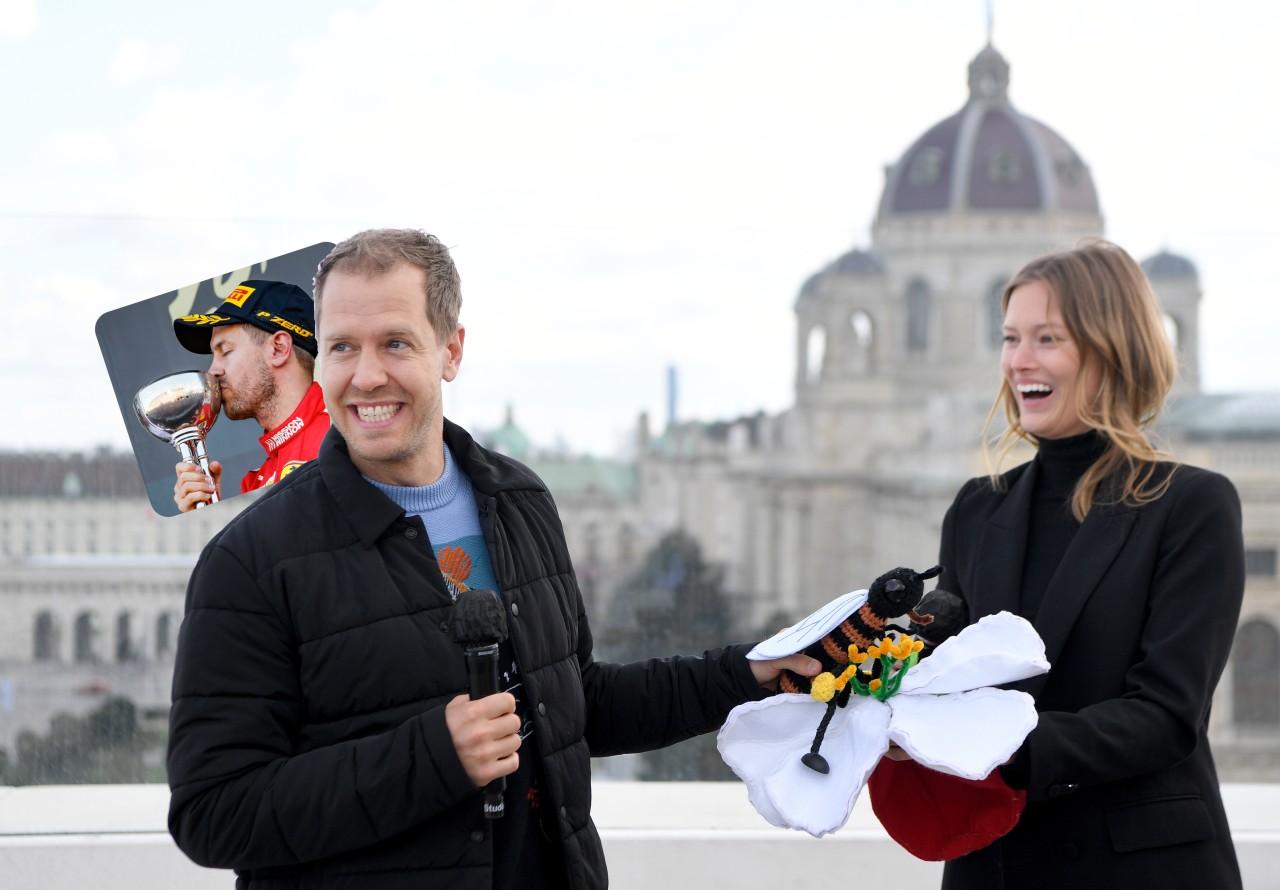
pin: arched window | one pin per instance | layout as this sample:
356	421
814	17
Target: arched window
124	642
861	336
164	634
995	314
1255	674
918	316
46	643
863	329
85	648
1172	329
815	353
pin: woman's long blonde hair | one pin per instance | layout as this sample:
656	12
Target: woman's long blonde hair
1111	313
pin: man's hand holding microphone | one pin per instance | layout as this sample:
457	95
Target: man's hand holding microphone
484	726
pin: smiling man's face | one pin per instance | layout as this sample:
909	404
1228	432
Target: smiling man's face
381	368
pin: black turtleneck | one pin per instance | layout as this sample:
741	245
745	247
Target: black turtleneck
1059	465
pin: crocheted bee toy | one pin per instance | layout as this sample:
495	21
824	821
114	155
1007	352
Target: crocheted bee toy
947	713
893	594
847	638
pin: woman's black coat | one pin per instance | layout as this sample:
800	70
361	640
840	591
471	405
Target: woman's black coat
1137	622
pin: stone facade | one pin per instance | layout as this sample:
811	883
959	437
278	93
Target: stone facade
92	584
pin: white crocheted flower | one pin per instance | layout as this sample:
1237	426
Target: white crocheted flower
945	714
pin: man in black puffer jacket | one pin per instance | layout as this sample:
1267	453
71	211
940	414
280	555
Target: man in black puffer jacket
321	735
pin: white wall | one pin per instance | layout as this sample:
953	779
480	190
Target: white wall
685	834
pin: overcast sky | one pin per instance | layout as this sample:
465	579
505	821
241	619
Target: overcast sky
623	190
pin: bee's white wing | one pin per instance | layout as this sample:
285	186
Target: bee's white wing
811	629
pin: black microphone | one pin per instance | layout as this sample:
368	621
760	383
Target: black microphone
478	624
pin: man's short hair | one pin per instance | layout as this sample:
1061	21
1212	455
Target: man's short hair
306	360
378	251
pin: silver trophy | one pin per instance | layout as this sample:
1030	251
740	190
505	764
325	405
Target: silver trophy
180	408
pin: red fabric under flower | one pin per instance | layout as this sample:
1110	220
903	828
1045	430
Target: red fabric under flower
934	816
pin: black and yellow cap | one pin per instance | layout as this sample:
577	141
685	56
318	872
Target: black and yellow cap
270	305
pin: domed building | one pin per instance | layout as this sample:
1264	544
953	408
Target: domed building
967	203
898	348
897	357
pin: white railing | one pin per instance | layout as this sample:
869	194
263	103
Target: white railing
656	834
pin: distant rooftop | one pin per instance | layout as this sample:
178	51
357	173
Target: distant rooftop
855	262
509	439
584	475
987	157
98	474
1169	265
1225	417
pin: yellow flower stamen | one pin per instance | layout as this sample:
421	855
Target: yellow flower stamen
823	687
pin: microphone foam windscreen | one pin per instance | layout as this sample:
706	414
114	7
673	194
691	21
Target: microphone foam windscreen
477	619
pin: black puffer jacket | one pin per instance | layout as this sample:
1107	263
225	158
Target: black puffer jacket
308	744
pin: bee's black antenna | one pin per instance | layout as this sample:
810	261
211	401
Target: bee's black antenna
929	573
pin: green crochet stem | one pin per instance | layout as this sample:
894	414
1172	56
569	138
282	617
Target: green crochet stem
890	687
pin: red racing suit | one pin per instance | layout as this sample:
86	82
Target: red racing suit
292	443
